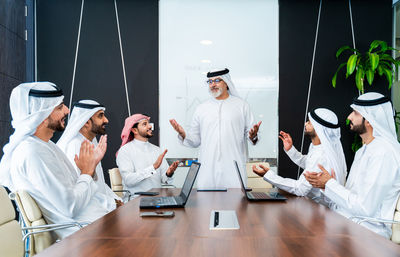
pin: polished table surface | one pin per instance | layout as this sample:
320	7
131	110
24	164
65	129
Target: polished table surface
297	227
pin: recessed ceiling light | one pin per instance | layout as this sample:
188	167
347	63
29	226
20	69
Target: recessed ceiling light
206	61
206	42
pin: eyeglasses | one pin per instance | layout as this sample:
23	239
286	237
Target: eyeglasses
210	81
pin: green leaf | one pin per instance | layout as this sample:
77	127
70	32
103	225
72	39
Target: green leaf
351	64
344	48
374	60
377	43
370	76
380	70
336	73
388	74
387	57
359	79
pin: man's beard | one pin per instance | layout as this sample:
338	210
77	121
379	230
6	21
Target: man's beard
359	129
215	94
310	134
145	134
56	125
98	129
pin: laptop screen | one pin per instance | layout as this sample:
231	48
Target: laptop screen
240	175
189	181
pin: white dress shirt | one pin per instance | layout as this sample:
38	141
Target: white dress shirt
135	162
221	129
105	195
43	170
372	188
309	162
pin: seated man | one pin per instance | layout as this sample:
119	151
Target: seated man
325	149
373	185
86	122
33	163
141	163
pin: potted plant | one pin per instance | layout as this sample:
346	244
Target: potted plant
376	61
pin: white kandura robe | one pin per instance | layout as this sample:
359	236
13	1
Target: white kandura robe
135	162
221	129
105	195
309	162
372	188
43	170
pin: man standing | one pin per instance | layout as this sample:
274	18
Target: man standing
373	185
325	149
141	163
221	127
86	122
33	163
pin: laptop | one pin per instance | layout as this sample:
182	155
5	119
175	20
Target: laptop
174	201
258	196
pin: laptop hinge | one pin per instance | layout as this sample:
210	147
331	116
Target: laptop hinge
179	199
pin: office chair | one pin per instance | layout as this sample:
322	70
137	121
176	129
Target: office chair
35	226
395	222
11	243
253	180
116	183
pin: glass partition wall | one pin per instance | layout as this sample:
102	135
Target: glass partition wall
196	36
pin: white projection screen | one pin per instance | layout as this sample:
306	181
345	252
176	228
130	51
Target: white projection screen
196	36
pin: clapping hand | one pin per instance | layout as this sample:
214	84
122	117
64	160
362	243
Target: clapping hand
286	140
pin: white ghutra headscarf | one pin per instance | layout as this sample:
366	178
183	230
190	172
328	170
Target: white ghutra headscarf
30	105
81	113
325	123
224	75
377	110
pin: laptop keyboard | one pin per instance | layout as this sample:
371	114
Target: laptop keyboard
165	201
259	195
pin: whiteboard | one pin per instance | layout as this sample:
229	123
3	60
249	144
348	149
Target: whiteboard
197	36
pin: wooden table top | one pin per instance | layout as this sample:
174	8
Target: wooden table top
297	227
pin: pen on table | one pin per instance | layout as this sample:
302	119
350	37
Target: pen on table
216	219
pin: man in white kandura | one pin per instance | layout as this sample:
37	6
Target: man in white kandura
86	122
142	164
325	149
221	127
373	185
32	162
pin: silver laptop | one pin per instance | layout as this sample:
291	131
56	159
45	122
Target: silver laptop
258	196
174	201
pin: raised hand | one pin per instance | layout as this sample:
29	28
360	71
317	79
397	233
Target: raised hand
159	160
100	149
319	179
253	132
178	128
286	140
86	161
172	168
260	172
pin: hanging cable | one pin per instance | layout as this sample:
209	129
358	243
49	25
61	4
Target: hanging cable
352	27
352	31
122	58
309	83
76	58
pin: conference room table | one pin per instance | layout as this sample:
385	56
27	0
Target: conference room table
296	227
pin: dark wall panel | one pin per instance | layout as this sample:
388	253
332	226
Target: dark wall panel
12	58
99	74
372	20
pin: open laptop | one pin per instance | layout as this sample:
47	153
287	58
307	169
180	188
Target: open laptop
258	196
174	201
